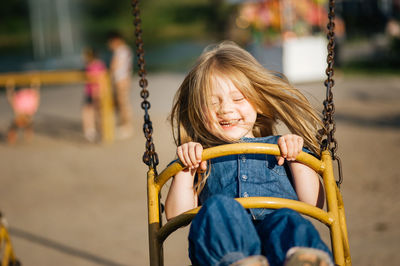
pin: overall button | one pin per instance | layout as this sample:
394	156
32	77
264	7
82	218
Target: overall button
244	177
243	158
245	194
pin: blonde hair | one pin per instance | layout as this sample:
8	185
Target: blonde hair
268	92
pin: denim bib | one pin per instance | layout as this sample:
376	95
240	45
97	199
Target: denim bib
249	175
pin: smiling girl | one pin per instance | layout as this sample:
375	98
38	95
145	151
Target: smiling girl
229	97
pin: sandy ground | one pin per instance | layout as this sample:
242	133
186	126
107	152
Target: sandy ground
69	202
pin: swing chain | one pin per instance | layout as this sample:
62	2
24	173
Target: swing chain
328	140
150	157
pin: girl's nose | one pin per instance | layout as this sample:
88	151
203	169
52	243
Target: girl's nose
225	107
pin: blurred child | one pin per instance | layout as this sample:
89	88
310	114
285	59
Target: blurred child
95	69
24	103
121	74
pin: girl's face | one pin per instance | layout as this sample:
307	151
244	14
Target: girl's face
231	111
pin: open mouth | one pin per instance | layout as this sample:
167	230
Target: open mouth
229	123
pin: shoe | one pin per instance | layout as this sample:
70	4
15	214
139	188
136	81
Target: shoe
300	256
256	260
91	135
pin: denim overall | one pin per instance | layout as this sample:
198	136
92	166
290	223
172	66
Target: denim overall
224	232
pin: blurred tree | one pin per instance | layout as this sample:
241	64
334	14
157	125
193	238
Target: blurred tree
14	26
103	16
174	20
362	18
164	21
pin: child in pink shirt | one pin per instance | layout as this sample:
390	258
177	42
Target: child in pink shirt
24	103
95	70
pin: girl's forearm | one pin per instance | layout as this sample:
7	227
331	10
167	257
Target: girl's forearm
307	184
181	195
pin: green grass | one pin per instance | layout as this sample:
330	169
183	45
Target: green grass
372	68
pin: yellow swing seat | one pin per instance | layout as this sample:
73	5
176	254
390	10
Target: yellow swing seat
334	217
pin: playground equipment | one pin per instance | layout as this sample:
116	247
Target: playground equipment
7	254
6	249
334	217
68	77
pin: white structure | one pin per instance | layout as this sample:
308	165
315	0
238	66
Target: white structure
55	29
304	58
300	59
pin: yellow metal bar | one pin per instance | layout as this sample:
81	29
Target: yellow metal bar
8	253
332	203
176	223
153	190
2	234
277	203
2	237
167	173
44	77
248	203
343	226
106	109
240	148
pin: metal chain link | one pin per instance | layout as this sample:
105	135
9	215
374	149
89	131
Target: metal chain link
328	140
150	157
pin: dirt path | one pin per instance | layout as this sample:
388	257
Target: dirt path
73	203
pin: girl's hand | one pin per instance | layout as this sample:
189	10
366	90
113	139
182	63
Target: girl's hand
290	145
190	155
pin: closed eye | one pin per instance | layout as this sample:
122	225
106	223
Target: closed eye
238	99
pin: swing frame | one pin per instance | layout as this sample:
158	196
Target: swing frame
334	217
61	77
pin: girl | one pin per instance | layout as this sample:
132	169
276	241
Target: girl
24	102
95	69
229	97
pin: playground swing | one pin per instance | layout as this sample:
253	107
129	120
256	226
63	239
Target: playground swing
7	253
334	217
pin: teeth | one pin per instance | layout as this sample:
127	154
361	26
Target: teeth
224	123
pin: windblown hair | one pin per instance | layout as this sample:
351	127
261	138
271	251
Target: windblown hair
269	93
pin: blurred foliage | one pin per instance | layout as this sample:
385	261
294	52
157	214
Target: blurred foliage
386	62
14	27
363	18
169	24
99	17
163	21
